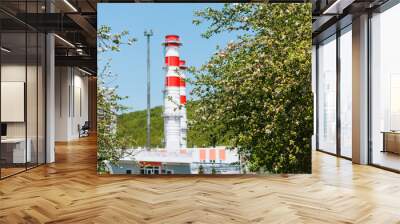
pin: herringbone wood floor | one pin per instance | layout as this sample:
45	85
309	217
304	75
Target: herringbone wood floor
69	191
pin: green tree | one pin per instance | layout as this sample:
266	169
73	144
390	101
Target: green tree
201	169
132	126
257	90
109	144
213	170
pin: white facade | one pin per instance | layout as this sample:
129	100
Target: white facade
183	122
183	127
219	154
172	113
71	103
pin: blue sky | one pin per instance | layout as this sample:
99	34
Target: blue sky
163	19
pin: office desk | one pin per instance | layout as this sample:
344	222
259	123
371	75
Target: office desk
13	150
391	141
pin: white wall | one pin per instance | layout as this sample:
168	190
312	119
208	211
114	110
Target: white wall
33	126
71	102
61	103
16	73
80	110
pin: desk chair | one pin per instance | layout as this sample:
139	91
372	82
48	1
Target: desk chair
84	130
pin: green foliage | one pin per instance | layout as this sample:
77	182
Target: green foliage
213	170
201	169
133	126
108	41
109	144
199	133
257	91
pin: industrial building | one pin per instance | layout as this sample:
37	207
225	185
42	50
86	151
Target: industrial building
176	158
218	160
175	125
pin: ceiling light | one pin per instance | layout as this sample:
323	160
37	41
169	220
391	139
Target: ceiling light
84	71
70	5
80	51
5	50
65	41
337	7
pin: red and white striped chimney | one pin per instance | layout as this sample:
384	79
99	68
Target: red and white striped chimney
172	113
183	123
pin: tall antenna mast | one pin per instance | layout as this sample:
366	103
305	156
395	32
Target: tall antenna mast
148	34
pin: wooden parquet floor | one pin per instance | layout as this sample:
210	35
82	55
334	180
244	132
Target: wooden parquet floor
69	191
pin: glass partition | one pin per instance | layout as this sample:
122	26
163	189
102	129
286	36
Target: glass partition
346	92
13	94
327	95
22	77
385	89
31	99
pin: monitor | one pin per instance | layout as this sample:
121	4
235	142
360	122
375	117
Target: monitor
3	129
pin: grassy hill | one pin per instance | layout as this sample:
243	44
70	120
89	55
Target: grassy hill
133	126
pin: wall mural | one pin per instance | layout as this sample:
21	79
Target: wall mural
208	89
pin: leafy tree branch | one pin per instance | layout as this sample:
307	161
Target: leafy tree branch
110	145
257	90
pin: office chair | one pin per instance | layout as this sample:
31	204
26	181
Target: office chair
84	130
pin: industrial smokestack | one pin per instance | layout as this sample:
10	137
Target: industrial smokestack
183	123
172	112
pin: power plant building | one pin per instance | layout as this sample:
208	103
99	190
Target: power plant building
176	158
